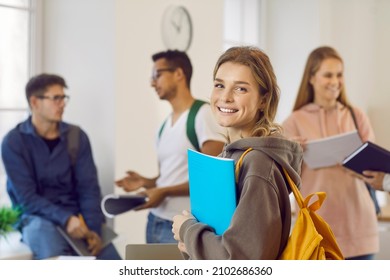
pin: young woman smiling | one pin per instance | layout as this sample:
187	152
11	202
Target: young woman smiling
244	100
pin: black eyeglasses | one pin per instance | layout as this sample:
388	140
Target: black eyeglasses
56	98
157	73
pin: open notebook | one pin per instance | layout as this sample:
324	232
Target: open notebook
153	252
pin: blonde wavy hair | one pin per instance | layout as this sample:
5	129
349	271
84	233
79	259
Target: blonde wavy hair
264	75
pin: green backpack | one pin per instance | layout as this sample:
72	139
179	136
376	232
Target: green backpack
191	133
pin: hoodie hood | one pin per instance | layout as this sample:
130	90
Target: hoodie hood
286	153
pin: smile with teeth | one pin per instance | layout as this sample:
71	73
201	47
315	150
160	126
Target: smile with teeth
333	89
227	110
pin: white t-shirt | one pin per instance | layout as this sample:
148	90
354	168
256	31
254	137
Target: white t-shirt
172	147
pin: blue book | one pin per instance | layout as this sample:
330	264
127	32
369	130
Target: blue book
212	190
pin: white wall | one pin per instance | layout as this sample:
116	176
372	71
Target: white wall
292	31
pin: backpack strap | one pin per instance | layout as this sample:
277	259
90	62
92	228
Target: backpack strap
191	132
161	129
354	118
190	125
297	194
305	202
239	163
73	145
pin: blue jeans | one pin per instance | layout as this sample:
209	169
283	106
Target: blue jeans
45	241
159	230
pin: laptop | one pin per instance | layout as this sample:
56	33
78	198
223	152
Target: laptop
155	251
80	246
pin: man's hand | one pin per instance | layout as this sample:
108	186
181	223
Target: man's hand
132	182
94	242
76	227
155	197
374	178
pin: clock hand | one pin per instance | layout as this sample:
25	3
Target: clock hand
177	26
180	21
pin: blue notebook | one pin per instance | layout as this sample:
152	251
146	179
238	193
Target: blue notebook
212	190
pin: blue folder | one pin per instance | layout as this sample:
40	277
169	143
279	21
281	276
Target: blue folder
212	190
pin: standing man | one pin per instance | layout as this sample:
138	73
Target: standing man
45	183
168	192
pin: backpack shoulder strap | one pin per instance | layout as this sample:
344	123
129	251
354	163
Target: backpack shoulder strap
73	139
354	118
162	128
239	163
191	132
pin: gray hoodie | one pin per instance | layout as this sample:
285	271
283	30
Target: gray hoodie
261	224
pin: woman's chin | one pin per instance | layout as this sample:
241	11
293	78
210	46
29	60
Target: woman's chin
224	123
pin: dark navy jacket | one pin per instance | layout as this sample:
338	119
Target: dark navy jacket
43	183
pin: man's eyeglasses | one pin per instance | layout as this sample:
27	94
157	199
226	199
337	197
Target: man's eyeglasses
157	73
56	98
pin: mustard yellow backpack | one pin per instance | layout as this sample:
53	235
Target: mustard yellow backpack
311	237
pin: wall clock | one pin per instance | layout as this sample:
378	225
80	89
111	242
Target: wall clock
176	28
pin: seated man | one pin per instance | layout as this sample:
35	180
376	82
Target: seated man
42	179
